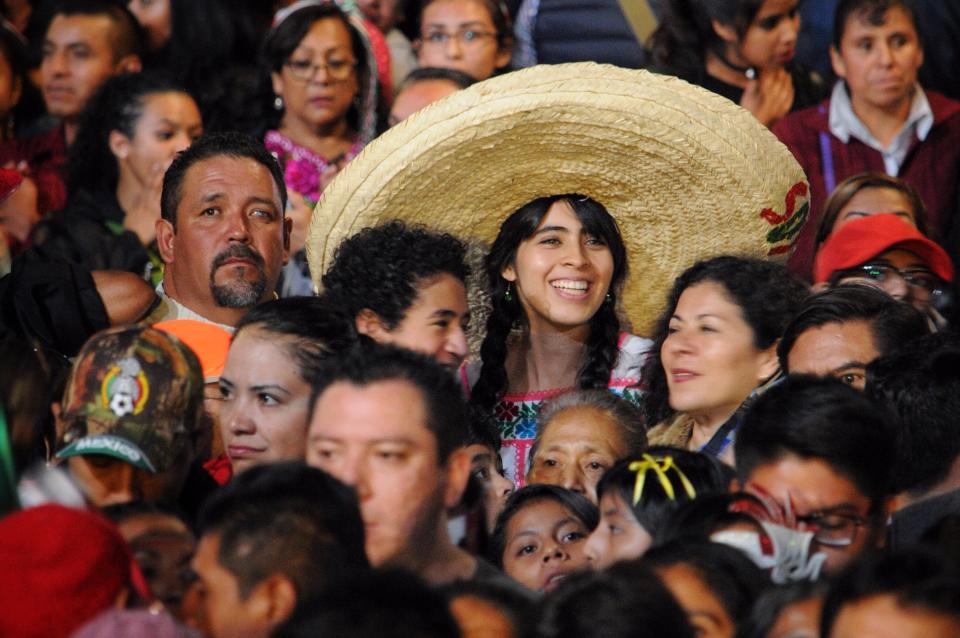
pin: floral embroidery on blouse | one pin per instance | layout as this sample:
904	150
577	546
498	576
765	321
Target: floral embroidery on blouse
301	166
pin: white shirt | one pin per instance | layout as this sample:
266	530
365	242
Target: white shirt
845	124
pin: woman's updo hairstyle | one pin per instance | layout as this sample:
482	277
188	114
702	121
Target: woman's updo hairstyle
766	293
602	350
686	34
116	106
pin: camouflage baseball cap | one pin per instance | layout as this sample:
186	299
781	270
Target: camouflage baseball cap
135	393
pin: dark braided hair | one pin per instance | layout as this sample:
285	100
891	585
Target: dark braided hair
602	350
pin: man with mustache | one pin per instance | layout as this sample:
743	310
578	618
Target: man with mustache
223	236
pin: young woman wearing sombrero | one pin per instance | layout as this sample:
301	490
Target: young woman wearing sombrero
578	175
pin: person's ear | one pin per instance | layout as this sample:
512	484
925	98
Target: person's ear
165	240
276	81
509	273
119	144
370	324
725	32
768	363
287	229
503	53
836	61
129	64
458	473
272	600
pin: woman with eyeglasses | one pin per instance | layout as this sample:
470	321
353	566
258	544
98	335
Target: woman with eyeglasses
888	252
325	100
472	36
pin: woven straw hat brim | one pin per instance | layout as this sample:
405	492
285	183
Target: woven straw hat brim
686	173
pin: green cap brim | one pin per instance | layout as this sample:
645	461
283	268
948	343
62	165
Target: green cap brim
108	445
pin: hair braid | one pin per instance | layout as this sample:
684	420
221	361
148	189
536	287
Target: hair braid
493	352
602	348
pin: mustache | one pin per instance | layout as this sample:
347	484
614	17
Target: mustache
238	251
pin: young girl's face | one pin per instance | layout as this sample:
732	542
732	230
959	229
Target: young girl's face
561	273
618	535
544	544
460	35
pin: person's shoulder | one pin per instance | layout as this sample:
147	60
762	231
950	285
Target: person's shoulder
803	124
944	108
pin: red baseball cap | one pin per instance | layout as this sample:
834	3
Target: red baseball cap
860	240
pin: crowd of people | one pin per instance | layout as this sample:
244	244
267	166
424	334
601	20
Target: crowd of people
407	318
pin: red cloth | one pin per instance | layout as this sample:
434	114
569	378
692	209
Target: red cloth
46	155
931	166
59	568
220	469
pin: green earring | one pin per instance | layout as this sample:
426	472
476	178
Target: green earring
508	294
609	298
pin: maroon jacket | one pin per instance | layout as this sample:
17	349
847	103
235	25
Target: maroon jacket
931	166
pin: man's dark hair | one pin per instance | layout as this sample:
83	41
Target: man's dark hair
368	363
892	322
459	78
381	603
624	601
921	385
234	145
126	36
873	12
916	579
383	268
286	518
821	419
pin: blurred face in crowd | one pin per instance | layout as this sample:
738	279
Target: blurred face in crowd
460	34
435	324
704	610
228	612
163	547
77	58
544	543
576	447
154	17
169	123
882	616
840	350
10	87
231	238
709	356
901	274
798	620
770	40
486	466
561	274
824	501
417	96
319	81
478	618
389	455
618	536
874	201
879	62
265	406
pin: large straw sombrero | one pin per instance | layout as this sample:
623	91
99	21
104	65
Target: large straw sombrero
686	173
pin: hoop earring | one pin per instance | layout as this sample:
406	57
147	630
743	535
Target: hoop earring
508	293
278	103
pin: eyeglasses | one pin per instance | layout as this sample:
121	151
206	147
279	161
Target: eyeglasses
924	283
833	530
337	70
468	39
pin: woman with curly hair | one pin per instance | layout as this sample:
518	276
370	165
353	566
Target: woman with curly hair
554	271
714	347
403	285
